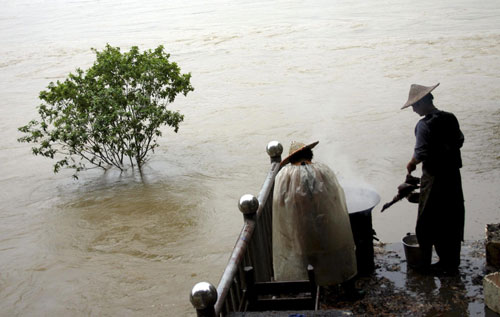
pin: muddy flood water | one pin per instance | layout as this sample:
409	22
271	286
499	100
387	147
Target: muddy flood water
121	244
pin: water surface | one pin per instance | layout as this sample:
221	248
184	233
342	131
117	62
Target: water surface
116	244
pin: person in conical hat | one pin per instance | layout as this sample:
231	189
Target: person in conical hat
441	212
298	150
310	221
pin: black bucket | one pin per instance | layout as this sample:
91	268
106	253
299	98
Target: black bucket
360	202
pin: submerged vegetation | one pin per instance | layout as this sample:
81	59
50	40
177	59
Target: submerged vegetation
110	114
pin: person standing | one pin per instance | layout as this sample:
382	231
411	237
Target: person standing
311	223
441	212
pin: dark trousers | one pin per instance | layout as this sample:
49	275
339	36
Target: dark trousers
448	252
441	216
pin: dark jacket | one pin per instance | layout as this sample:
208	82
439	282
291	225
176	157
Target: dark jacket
439	140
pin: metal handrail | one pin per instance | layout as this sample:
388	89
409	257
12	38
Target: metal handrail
244	239
253	248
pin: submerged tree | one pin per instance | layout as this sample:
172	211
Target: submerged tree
109	114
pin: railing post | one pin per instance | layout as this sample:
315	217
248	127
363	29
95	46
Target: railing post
274	150
254	236
203	298
251	295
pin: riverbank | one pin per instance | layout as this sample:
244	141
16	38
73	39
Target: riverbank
396	290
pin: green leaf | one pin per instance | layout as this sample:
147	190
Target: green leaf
113	109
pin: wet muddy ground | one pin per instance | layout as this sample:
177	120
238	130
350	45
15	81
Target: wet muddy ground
396	290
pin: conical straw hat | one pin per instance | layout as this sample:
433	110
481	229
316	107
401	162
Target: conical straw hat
418	92
296	147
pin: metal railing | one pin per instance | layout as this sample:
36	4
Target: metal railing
252	249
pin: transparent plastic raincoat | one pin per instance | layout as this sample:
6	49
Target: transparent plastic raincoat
311	226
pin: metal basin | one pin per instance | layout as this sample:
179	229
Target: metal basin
360	199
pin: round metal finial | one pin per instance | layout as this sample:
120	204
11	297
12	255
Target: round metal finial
274	148
203	295
248	204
